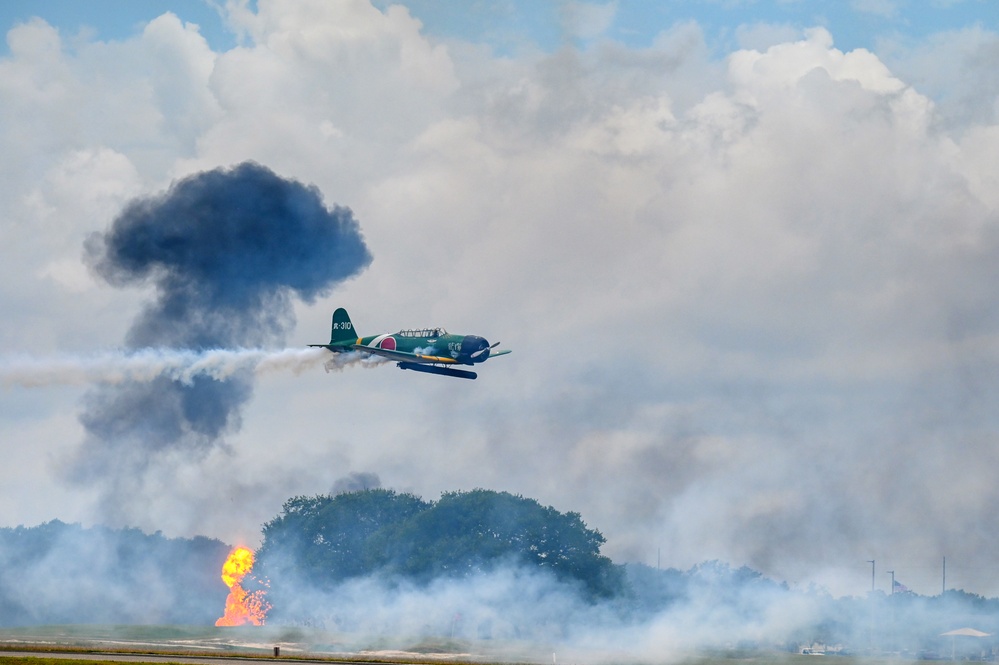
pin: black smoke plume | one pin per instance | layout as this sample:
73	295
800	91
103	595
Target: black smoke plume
227	251
356	481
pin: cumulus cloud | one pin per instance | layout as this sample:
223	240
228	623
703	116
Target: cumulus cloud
965	100
586	20
749	297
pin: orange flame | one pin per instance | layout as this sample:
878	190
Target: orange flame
241	607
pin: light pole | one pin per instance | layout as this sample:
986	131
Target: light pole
871	561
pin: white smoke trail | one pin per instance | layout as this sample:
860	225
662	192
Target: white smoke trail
339	361
115	367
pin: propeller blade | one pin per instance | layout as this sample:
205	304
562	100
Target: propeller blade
481	351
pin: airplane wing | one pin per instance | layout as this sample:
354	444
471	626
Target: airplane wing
401	356
404	356
417	357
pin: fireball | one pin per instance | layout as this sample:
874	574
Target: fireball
241	606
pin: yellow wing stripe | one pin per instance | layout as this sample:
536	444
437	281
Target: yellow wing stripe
436	359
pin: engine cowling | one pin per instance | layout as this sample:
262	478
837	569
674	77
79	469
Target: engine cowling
474	349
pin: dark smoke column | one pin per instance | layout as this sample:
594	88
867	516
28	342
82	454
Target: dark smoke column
227	250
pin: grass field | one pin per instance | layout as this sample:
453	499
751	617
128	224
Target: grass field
254	642
299	643
717	659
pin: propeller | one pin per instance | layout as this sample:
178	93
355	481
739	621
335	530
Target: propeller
481	351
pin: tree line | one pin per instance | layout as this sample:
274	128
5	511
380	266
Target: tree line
328	551
58	573
329	539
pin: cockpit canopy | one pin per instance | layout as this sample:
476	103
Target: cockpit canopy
423	332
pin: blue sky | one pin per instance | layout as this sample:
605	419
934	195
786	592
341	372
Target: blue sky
636	23
115	20
510	24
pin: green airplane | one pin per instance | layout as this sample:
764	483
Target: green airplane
431	350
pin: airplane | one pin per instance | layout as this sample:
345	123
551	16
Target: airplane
431	350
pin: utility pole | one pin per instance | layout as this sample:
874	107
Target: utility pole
871	603
891	628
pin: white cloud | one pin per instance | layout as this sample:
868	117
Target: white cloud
761	36
587	20
738	293
957	69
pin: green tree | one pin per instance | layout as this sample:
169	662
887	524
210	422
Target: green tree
466	533
326	539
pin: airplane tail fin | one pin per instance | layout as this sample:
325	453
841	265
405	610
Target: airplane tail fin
343	329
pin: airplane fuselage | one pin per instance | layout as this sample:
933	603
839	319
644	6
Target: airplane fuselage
428	345
431	350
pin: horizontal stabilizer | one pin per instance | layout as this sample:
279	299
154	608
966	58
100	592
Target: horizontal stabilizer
337	348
